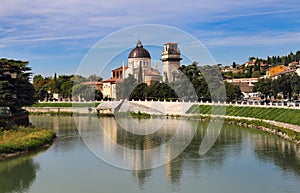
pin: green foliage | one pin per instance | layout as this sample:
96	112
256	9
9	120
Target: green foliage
190	84
24	139
69	104
86	92
258	124
140	74
264	86
233	92
290	116
66	86
15	89
94	78
156	91
125	88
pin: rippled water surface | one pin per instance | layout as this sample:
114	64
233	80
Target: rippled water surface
241	160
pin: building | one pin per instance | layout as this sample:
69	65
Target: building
278	70
109	88
95	85
246	85
170	61
139	65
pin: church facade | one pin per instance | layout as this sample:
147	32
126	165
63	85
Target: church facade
139	65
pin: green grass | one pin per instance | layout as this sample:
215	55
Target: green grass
66	104
24	139
291	116
139	115
258	123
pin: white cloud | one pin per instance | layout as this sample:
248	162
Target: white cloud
31	23
266	38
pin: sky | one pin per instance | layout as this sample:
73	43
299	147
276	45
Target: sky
55	36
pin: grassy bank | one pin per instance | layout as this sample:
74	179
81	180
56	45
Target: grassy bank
66	104
284	115
21	139
265	126
53	113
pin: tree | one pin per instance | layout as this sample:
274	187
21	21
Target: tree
233	92
233	65
295	82
285	86
264	86
66	89
76	79
159	91
255	74
125	88
94	78
191	82
15	89
140	74
139	92
86	92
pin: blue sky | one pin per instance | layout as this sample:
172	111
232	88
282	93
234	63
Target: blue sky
54	36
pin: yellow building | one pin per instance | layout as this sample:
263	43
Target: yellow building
109	88
276	70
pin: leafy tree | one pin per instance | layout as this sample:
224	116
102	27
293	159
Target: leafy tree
139	92
233	65
86	92
94	78
285	86
295	82
233	92
66	89
255	74
264	86
76	79
15	89
140	74
125	88
159	91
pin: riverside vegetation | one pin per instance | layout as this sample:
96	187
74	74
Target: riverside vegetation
289	116
66	104
23	139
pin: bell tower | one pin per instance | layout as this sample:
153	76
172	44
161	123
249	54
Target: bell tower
170	61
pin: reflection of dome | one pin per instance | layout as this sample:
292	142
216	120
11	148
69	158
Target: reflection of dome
139	51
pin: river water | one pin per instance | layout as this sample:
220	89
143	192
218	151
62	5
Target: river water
87	158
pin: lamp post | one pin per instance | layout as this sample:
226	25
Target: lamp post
48	95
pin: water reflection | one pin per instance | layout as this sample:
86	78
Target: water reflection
229	144
116	146
65	129
284	154
17	175
227	162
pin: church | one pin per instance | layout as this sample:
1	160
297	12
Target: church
140	66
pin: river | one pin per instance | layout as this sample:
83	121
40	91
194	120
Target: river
90	158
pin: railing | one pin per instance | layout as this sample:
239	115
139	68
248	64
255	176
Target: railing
280	104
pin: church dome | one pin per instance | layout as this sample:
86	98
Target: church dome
139	51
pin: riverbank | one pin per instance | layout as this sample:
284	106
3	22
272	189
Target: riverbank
21	140
286	131
284	122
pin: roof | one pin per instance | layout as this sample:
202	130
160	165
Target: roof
120	68
170	43
113	80
139	51
153	73
92	83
